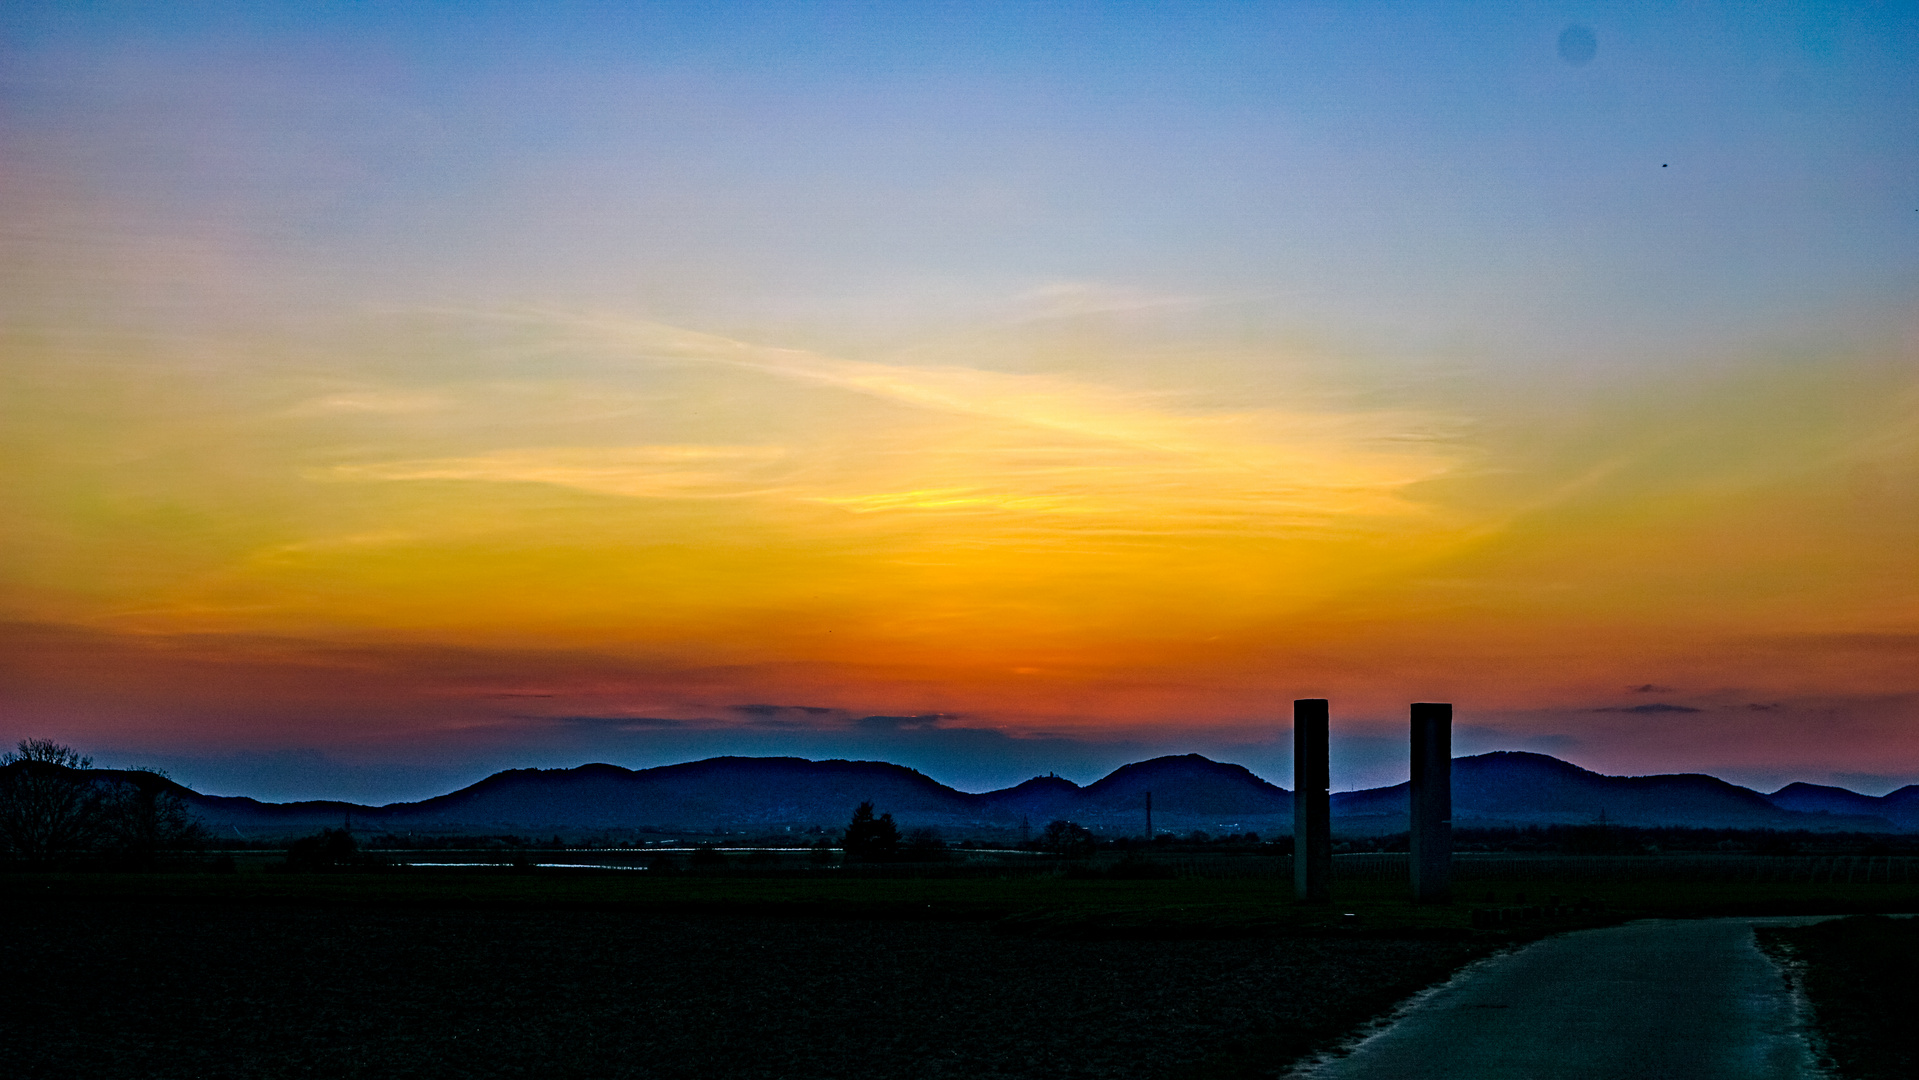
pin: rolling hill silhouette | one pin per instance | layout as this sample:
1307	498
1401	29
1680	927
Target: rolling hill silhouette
1511	787
1900	807
1189	792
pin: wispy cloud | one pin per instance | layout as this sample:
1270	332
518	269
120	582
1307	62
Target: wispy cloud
1062	454
761	711
611	723
1044	444
904	723
684	472
1247	438
375	401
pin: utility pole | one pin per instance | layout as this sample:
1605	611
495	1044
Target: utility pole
1312	803
1431	819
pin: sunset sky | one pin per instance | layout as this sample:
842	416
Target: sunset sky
394	393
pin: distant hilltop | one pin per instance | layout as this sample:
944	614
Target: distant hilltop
1507	788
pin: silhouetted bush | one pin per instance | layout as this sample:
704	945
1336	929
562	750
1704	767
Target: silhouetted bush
706	857
925	845
869	838
1067	839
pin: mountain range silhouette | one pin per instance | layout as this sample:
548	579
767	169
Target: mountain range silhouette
1506	788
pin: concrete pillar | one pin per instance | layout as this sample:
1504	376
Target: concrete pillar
1432	803
1312	804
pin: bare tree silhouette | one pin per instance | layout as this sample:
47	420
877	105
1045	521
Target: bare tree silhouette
49	807
54	805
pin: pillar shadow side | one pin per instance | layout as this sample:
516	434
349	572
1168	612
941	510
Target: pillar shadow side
1432	802
1312	803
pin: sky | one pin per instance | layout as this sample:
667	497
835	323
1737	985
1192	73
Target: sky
394	393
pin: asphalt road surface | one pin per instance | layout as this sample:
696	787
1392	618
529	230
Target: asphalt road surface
1660	999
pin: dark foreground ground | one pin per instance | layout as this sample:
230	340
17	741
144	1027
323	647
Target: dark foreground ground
1862	977
476	973
178	990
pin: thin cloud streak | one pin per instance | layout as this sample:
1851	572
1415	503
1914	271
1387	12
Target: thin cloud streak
682	472
1127	453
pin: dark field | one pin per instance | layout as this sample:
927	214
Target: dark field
118	990
473	972
1859	975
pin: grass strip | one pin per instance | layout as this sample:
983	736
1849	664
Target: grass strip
1858	974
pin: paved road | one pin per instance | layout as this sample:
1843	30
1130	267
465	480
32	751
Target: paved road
1665	999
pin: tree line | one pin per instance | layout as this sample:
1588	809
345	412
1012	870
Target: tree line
876	838
56	809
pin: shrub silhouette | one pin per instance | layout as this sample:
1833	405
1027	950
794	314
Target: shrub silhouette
706	857
925	845
1066	838
869	838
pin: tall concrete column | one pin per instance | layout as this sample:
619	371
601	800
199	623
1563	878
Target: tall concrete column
1312	804
1432	803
